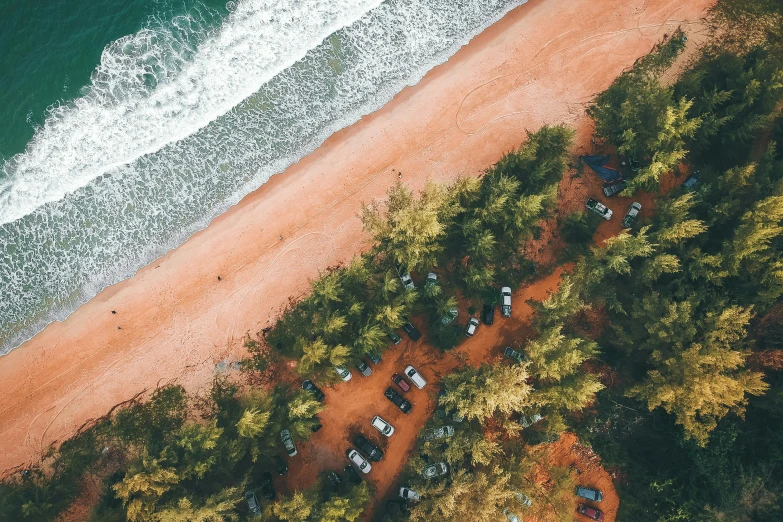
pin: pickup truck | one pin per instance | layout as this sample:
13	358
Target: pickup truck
599	208
505	301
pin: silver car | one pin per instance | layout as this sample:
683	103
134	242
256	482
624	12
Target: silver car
288	442
253	507
435	470
408	494
360	462
472	326
381	425
444	432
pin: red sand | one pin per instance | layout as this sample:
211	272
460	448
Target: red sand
538	65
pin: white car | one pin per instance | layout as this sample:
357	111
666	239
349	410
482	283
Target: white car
406	279
408	494
344	373
432	279
472	325
415	377
599	208
381	425
511	516
359	461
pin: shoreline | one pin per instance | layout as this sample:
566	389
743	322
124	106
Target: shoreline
175	320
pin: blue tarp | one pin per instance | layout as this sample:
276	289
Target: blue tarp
598	164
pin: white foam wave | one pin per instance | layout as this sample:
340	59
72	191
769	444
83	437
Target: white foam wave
156	87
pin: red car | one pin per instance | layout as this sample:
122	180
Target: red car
400	381
595	514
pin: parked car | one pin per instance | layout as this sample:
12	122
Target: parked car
267	488
359	461
513	354
590	512
406	279
372	451
344	373
312	388
400	381
432	279
505	301
523	499
253	507
614	188
334	479
397	399
488	314
375	358
599	208
450	316
408	494
632	214
444	432
381	425
352	475
589	493
435	470
527	421
395	506
394	337
280	465
364	368
511	516
288	442
412	331
472	326
415	377
692	180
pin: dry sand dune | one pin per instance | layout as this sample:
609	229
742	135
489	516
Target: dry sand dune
175	321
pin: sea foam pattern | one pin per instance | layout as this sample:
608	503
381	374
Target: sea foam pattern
64	252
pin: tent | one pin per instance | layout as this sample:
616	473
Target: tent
598	164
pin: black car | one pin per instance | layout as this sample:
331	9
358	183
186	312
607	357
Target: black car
394	337
488	314
282	467
375	358
397	399
412	331
334	478
352	475
312	388
369	448
611	190
364	368
267	488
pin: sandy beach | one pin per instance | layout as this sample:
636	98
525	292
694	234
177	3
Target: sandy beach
183	318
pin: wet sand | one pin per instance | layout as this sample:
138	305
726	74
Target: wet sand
175	321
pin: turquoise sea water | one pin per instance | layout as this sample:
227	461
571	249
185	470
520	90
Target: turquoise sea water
131	125
49	49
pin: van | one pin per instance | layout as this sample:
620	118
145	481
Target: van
415	377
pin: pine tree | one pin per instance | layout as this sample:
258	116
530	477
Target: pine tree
481	393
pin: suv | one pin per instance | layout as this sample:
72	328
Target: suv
359	461
400	381
344	373
444	432
412	331
632	214
397	399
368	447
288	442
252	503
472	325
488	314
589	493
432	279
364	368
595	514
513	354
267	488
415	377
312	388
394	337
599	208
435	470
505	301
381	425
408	494
614	188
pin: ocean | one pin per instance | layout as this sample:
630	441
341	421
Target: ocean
128	126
